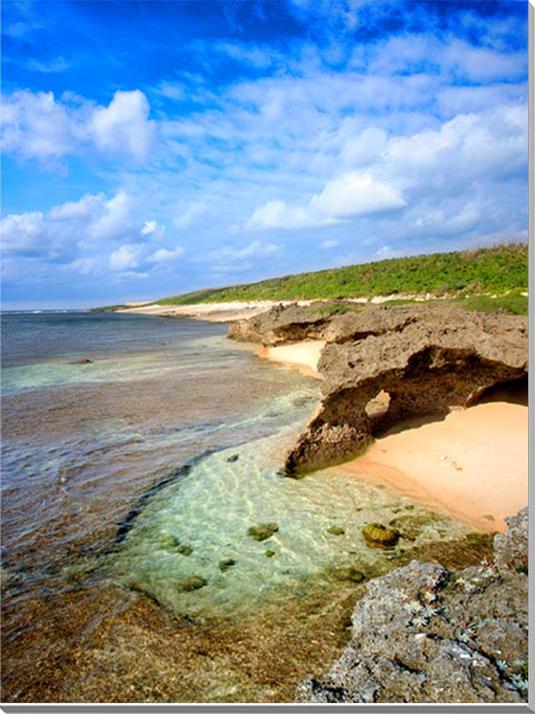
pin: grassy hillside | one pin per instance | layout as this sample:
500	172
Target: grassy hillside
499	270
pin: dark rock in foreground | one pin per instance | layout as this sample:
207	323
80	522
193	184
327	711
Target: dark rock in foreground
424	634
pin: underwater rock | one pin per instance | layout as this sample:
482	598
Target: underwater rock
168	540
263	531
184	549
270	553
411	526
194	582
226	563
378	536
233	458
348	573
335	530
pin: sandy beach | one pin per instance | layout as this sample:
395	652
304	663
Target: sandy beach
472	465
300	355
240	310
210	312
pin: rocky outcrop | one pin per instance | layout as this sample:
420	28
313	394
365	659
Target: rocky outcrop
425	634
511	547
337	321
424	360
282	324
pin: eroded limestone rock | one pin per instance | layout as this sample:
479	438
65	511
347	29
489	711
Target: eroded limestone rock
425	634
423	360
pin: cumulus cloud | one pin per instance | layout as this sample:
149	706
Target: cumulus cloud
124	125
22	232
91	236
344	197
113	219
37	125
152	230
60	232
149	227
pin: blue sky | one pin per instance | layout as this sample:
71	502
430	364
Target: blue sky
150	148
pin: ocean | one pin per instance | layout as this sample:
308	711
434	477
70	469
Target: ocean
137	453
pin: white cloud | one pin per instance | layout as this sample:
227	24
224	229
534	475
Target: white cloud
278	214
22	232
255	249
85	266
186	213
347	196
152	227
113	222
355	194
248	53
164	255
86	207
37	125
123	126
51	67
125	258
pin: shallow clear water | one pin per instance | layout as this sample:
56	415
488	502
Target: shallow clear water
96	502
210	510
82	443
92	457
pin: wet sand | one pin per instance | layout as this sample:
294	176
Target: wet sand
473	465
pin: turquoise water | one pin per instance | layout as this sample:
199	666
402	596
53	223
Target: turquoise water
209	511
94	484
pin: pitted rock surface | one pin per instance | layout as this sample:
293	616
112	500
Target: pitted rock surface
428	359
424	634
511	547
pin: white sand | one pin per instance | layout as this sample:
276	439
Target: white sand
472	465
212	312
302	355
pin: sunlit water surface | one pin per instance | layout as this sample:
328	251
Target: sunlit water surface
138	451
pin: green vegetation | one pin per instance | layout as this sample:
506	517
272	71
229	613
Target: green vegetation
485	270
512	301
